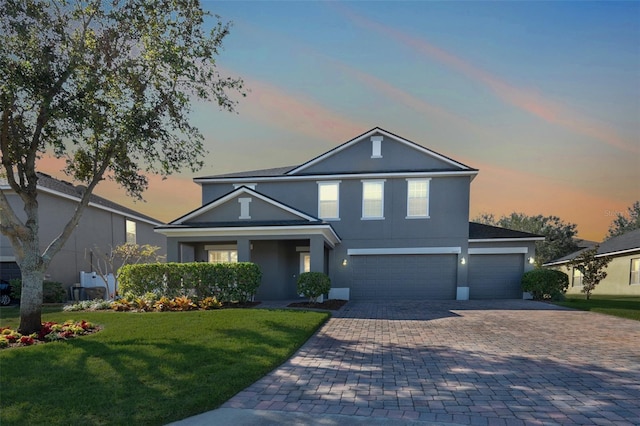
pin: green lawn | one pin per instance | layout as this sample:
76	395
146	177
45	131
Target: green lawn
619	306
145	368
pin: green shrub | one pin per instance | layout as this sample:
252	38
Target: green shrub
313	285
545	283
52	291
227	282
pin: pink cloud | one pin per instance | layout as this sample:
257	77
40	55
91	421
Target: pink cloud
274	106
500	190
520	98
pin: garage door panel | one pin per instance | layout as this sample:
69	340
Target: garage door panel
403	277
495	276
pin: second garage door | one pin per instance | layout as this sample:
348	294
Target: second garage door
495	276
404	277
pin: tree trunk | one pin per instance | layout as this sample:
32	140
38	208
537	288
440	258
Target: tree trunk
31	295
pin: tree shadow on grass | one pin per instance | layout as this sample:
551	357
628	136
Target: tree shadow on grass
129	381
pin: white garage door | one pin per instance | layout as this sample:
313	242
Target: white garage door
404	277
495	276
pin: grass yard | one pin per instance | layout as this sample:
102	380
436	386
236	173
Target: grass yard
145	368
619	306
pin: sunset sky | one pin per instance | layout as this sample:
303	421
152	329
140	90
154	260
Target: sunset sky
542	97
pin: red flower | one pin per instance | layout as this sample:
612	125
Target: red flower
27	340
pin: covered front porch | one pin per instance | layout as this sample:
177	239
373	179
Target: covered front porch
282	252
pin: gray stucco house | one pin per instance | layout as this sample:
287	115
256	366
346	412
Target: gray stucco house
383	216
104	224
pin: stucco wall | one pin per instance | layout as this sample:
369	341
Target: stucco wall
98	228
616	282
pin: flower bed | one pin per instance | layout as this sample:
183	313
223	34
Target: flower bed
49	332
151	302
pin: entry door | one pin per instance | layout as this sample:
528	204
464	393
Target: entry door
305	262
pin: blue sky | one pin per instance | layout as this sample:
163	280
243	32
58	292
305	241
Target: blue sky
542	97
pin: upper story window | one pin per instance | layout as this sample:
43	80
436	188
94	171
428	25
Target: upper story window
577	278
417	198
373	199
130	231
635	271
329	200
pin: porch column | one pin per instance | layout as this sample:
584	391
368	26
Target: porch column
316	243
244	250
173	250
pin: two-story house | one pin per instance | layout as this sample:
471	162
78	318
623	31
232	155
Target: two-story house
104	224
381	215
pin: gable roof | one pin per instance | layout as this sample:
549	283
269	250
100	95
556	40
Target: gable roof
621	245
64	189
296	171
377	130
479	232
239	191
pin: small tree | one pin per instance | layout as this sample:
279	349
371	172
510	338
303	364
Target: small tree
124	254
313	285
592	268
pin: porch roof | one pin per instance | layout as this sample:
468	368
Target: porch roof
299	229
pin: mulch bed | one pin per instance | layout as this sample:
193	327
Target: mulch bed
331	304
232	305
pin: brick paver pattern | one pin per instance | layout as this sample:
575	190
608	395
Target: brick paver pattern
472	362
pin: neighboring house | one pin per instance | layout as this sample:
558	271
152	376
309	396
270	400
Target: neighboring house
103	225
382	216
623	272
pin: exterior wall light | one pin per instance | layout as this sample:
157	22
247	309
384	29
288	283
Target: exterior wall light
463	261
344	262
532	260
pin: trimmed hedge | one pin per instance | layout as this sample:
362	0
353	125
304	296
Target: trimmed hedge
545	283
227	282
52	291
313	285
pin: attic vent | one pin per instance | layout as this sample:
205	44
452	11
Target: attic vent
376	146
244	208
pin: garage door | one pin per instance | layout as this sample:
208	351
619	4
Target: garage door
404	277
495	276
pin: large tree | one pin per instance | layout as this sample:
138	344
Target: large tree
107	86
559	235
623	224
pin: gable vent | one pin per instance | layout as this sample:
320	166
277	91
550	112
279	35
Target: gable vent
244	208
376	146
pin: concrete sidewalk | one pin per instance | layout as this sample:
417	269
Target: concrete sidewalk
472	362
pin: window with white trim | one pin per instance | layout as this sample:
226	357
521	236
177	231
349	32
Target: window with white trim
222	254
577	278
329	200
634	278
130	231
417	198
373	199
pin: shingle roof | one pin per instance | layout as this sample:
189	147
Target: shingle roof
480	231
276	171
622	244
67	188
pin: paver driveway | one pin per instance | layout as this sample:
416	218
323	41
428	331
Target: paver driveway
472	362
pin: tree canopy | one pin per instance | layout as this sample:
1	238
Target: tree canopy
107	86
625	223
559	235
